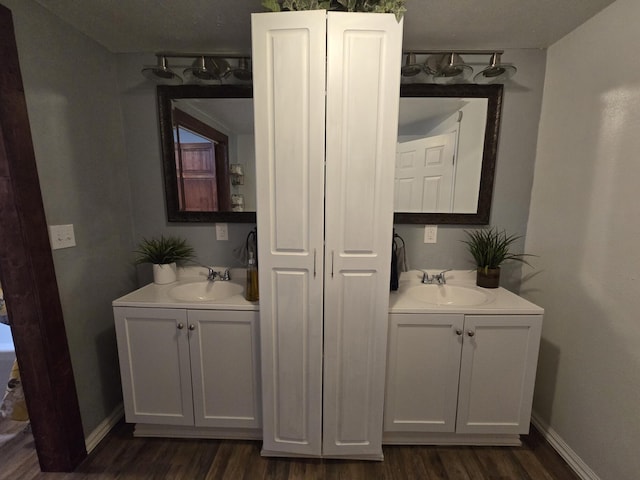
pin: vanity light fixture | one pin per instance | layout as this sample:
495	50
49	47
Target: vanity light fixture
447	66
203	68
411	68
199	72
496	71
161	72
243	71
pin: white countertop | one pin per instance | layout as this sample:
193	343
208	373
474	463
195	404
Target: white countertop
501	301
153	295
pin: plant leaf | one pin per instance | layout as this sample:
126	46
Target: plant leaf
490	248
271	5
163	250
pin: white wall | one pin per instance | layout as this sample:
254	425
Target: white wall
514	176
73	103
585	225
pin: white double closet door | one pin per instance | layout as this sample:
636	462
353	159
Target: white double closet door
325	169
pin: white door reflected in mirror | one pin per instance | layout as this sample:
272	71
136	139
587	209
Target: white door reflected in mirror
439	155
424	174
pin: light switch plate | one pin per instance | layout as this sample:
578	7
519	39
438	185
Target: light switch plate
430	233
62	236
222	232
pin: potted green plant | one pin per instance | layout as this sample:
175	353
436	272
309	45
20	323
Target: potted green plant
490	249
164	253
376	6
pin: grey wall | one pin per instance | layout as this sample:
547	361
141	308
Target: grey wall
514	176
516	154
585	224
140	116
73	104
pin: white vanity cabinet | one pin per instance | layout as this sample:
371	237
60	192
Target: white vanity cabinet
463	374
325	225
183	367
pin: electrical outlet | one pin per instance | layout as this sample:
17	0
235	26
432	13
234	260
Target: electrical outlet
222	232
62	236
430	233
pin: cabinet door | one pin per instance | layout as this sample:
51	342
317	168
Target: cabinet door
497	374
363	81
154	365
422	372
289	103
225	368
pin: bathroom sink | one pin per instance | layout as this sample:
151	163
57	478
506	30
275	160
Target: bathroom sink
205	291
449	295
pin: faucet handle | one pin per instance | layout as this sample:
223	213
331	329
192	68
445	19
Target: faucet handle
425	277
440	277
211	274
226	275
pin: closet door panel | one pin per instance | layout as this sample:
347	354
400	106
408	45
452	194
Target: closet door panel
292	366
355	354
289	79
363	81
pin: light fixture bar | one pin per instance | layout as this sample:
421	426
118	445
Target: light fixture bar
205	68
196	55
459	52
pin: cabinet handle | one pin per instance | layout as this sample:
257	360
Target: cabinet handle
471	333
458	332
180	326
314	262
192	327
331	263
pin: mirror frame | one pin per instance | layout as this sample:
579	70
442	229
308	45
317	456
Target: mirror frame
493	93
166	93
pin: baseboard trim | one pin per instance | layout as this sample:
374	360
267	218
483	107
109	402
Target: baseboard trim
564	450
101	431
375	457
429	438
180	431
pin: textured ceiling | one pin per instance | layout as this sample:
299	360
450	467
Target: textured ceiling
224	25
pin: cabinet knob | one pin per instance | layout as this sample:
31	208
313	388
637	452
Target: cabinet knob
180	326
458	331
471	333
192	327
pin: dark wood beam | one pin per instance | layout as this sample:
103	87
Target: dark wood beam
29	281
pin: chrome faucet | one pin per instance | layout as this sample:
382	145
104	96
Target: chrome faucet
212	275
437	278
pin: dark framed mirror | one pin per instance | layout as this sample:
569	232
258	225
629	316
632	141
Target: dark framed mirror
206	134
446	157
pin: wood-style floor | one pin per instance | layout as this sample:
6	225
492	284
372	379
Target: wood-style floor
121	456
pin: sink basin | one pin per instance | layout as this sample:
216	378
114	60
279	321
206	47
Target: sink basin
205	291
449	295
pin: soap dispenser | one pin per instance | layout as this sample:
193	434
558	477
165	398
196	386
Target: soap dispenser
251	290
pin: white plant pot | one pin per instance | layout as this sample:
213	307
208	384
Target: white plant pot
165	273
